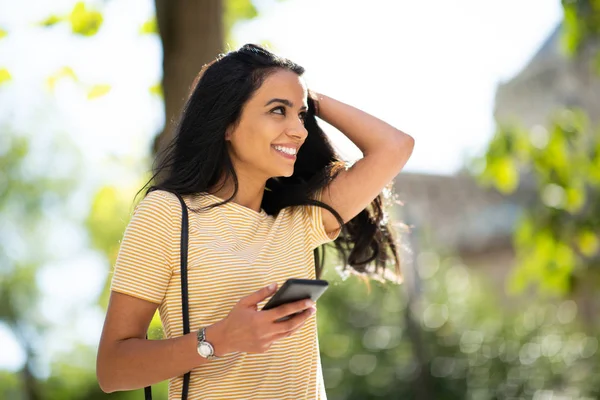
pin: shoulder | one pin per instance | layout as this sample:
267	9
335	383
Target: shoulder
161	196
159	201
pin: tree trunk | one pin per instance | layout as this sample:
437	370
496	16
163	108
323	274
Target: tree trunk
192	35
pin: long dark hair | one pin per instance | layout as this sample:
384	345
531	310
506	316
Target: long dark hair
197	159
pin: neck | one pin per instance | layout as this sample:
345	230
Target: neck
249	194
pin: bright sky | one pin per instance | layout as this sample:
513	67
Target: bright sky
429	68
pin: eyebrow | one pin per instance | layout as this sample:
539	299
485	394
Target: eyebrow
284	101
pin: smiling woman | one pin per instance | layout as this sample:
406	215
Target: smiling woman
266	191
271	128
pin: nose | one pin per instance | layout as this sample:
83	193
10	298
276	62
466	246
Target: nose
298	131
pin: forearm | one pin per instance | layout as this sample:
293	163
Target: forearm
135	363
367	132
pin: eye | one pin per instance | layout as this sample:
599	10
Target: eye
303	116
281	108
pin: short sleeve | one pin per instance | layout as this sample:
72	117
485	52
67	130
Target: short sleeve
317	234
144	263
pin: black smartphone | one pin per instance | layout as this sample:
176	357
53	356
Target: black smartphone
294	290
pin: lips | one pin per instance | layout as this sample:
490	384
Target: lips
285	151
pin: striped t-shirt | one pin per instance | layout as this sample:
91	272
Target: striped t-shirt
233	252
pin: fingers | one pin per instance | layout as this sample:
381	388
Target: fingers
293	325
284	330
288	309
253	299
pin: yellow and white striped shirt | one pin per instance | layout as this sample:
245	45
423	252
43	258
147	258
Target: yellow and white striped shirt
233	251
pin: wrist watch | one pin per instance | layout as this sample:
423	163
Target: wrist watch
205	349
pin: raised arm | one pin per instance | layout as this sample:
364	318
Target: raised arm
385	152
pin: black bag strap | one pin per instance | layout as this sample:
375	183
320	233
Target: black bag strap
184	292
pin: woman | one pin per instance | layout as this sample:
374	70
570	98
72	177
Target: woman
266	190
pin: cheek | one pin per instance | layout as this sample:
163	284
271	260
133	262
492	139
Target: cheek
252	147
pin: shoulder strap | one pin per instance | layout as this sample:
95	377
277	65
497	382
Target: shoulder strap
184	284
184	292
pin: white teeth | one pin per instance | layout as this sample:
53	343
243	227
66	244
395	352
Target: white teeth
287	150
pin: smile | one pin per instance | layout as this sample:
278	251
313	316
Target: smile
287	152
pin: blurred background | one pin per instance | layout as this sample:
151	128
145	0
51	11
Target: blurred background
497	212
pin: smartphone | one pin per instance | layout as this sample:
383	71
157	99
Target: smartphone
294	290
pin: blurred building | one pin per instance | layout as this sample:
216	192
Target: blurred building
550	81
453	213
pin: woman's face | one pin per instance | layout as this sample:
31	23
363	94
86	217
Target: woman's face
271	128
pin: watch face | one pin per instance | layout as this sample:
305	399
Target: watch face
204	349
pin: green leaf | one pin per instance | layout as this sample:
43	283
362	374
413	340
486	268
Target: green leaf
64	72
98	91
236	11
157	90
588	243
4	76
571	34
564	257
575	196
106	221
506	175
85	22
52	20
149	27
525	232
544	248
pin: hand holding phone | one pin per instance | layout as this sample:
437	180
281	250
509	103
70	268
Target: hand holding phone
247	330
294	290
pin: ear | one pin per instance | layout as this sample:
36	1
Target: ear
228	133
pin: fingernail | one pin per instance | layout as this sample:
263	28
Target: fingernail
271	286
312	310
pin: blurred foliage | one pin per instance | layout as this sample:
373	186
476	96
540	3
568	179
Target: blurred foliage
236	11
34	193
62	73
110	212
107	219
156	90
473	347
557	238
581	21
83	21
3	33
4	76
98	91
87	22
149	27
31	189
93	91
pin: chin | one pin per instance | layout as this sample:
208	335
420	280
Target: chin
283	174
